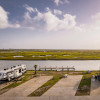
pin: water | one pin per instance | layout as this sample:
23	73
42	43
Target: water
78	64
17	56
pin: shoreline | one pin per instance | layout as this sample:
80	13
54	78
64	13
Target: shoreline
50	59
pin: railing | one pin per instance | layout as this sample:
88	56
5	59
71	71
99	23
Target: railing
57	68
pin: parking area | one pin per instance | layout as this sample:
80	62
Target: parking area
26	88
65	87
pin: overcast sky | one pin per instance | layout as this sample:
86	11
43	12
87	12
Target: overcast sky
50	24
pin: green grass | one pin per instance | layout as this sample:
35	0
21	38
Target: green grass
55	54
84	87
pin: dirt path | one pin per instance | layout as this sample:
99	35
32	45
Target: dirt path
65	87
26	88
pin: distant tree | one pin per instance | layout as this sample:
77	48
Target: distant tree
35	67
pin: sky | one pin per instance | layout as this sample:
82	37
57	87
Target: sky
49	24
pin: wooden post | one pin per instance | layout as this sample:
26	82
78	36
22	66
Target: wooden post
39	68
73	68
56	68
62	68
67	68
51	68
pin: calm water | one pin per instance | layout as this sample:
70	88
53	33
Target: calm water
78	64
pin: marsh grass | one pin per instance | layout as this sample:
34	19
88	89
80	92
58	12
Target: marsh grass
55	54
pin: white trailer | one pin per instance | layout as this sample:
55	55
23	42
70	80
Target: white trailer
13	72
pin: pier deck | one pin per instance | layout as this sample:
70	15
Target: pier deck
57	68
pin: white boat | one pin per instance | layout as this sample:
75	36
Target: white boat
13	72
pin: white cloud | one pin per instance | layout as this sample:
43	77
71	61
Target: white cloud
93	27
49	21
57	2
57	12
96	16
3	18
48	9
96	19
31	17
30	9
53	23
4	23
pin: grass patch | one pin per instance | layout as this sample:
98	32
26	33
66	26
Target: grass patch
84	86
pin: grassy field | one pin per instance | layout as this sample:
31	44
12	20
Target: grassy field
49	54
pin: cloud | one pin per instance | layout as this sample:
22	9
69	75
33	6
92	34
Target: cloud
4	23
96	19
48	9
28	8
53	23
3	18
93	27
57	2
30	17
57	12
49	20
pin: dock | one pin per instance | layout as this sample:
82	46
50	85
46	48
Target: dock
57	68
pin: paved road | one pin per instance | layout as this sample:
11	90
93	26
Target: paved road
26	88
95	87
65	87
